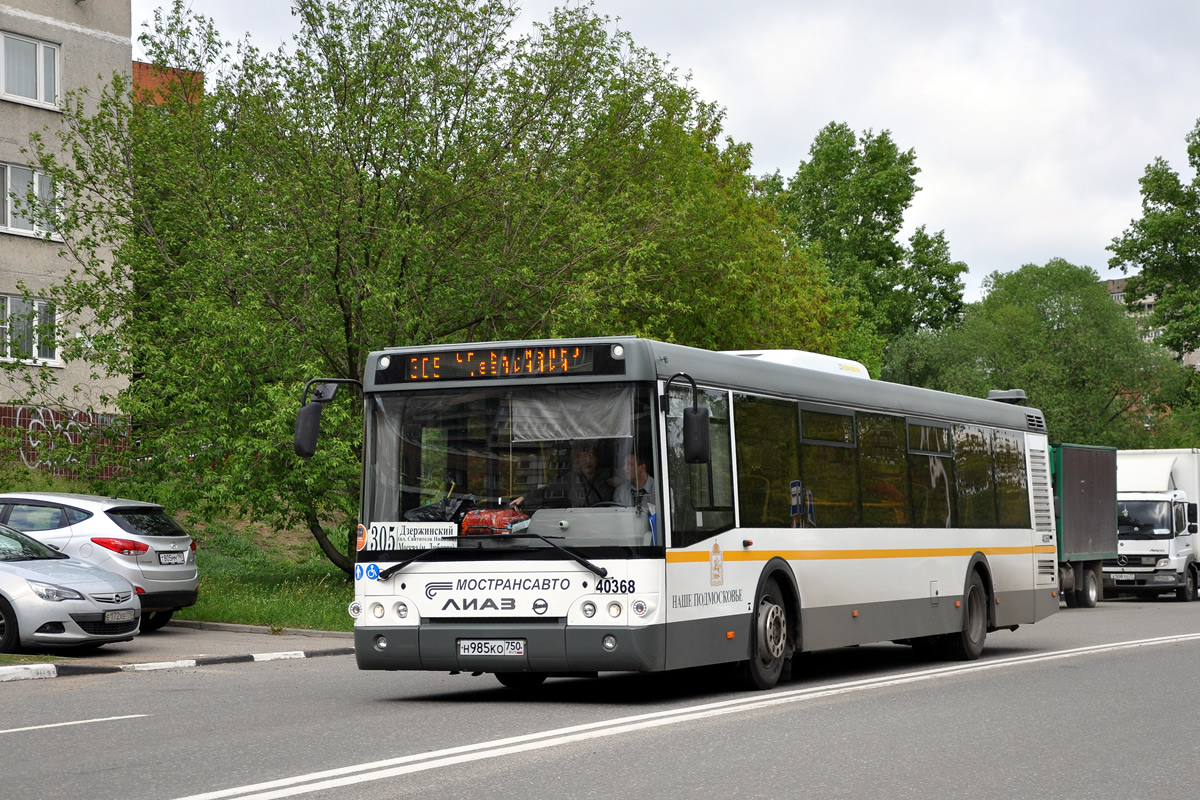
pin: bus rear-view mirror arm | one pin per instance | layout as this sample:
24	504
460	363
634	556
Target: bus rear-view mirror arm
695	423
308	418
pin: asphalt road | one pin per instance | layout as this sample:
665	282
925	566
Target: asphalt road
1089	703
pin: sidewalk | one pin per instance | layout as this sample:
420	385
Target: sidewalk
183	644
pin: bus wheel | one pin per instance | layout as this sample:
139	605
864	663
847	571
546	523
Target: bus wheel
768	646
1090	593
521	680
967	644
1187	592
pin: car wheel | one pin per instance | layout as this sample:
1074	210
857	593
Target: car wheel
10	635
153	620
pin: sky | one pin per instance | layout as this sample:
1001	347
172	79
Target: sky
1032	121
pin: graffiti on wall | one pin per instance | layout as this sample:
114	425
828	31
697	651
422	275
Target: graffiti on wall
53	439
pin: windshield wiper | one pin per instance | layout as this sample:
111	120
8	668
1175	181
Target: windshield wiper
384	574
601	571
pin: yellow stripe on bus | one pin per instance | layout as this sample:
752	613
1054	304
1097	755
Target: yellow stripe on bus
685	556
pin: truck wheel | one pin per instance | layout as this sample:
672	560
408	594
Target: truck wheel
1187	592
1090	593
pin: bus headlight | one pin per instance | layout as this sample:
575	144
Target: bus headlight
609	642
589	609
640	607
402	610
377	611
614	609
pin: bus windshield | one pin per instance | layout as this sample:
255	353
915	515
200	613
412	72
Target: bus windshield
576	460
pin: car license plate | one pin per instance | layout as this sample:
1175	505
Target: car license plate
491	647
1120	576
124	615
171	558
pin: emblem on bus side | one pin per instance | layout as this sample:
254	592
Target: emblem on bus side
716	566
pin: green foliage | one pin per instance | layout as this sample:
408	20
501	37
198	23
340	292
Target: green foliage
1165	246
847	203
1054	332
407	173
241	581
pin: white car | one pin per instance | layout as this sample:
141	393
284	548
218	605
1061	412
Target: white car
138	541
47	598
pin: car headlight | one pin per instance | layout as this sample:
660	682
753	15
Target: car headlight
48	591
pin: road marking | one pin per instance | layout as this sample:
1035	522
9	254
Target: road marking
341	777
75	722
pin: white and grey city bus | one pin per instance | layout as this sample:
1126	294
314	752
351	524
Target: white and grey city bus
569	507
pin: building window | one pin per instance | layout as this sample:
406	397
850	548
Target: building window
27	329
15	184
29	71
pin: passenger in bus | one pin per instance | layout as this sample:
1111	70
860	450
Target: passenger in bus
638	487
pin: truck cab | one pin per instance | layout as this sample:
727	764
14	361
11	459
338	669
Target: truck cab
1156	524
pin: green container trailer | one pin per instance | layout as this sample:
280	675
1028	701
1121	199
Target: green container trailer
1085	516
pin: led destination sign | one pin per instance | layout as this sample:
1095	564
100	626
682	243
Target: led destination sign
499	362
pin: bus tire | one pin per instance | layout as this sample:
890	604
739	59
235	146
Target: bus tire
521	680
967	644
1187	592
768	639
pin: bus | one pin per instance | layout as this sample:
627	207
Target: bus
568	507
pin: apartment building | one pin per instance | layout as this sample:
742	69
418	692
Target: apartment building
1144	307
47	48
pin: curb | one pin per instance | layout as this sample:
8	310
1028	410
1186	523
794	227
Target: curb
36	671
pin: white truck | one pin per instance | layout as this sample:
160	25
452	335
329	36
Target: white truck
1157	493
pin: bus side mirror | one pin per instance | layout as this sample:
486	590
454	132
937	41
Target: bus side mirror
696	448
308	418
308	425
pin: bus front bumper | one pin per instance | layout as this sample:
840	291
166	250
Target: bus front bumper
548	648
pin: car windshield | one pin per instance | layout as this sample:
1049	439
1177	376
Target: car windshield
16	546
577	460
145	521
1143	519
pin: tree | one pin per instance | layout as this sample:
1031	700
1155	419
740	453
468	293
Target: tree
1164	245
1053	331
407	174
848	202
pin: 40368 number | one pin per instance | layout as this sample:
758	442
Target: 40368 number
615	586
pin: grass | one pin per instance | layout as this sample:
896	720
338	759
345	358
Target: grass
277	579
250	573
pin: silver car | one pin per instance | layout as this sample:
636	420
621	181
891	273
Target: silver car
49	598
138	541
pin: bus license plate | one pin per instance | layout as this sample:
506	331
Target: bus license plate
1121	576
125	615
491	647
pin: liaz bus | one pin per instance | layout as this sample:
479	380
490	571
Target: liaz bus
568	507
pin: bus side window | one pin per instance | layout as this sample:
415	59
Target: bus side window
828	468
976	498
701	494
768	451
